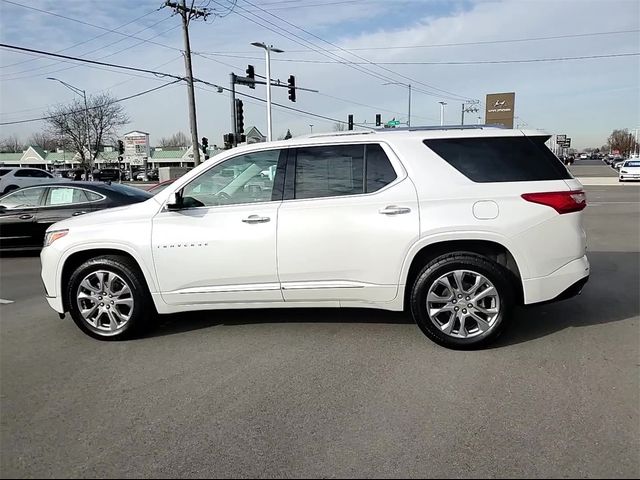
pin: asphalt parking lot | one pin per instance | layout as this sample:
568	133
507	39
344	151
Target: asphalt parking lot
333	393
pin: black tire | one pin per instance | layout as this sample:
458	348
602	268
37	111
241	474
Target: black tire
499	276
143	308
10	188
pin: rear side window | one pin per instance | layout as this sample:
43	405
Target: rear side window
338	170
500	159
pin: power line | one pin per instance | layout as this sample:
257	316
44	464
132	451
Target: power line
88	24
84	60
470	62
96	106
92	51
84	41
365	59
460	44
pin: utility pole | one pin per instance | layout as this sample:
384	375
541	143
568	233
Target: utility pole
187	14
234	121
471	108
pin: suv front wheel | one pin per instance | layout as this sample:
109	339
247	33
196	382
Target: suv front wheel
108	298
462	300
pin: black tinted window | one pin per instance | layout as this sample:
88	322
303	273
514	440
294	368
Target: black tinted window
329	171
130	191
500	159
4	171
23	173
379	169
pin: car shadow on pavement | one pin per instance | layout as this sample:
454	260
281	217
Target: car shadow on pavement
610	296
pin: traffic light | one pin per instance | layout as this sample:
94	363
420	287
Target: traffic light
228	140
292	88
251	73
239	117
205	147
350	122
120	147
378	119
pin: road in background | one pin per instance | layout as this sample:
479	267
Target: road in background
332	393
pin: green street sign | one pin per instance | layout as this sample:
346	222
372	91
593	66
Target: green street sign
393	123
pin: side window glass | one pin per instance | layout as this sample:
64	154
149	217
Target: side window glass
93	197
28	197
23	173
40	174
64	196
380	172
329	171
247	178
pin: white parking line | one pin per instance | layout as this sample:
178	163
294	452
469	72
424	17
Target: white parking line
5	302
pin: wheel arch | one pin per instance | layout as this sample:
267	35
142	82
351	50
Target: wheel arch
76	258
491	249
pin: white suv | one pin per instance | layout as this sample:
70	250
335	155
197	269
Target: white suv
14	178
455	225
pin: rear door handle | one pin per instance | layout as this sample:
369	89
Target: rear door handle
75	214
256	219
394	210
26	217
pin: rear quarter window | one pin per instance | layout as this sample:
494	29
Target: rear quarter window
4	171
500	159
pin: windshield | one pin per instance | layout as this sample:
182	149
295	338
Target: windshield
632	163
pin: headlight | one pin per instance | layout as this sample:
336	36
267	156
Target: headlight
54	235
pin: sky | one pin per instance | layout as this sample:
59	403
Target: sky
346	49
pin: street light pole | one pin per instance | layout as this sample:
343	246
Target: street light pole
311	126
268	49
79	91
442	104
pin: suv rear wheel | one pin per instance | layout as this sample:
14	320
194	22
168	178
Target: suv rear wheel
462	300
108	298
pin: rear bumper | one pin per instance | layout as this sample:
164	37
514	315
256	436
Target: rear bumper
563	283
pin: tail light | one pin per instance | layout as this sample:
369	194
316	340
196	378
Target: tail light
562	202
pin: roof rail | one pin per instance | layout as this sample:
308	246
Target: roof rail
342	134
440	127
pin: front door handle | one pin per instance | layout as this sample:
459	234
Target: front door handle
26	217
394	210
256	219
75	214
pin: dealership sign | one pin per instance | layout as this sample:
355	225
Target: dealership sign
500	109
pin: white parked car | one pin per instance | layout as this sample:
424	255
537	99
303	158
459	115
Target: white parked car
584	156
16	177
630	170
455	225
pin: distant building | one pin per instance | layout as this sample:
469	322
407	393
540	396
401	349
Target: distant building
38	158
254	136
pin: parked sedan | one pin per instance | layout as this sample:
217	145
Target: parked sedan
26	214
630	170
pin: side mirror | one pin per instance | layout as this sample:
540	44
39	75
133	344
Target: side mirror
174	202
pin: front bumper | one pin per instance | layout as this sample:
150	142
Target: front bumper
55	303
552	287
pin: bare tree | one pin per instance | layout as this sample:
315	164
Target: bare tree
11	144
623	141
86	129
44	140
178	139
339	127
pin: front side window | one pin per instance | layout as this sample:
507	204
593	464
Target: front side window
337	170
59	196
25	198
246	178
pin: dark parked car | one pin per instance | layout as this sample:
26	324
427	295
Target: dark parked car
26	214
108	174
